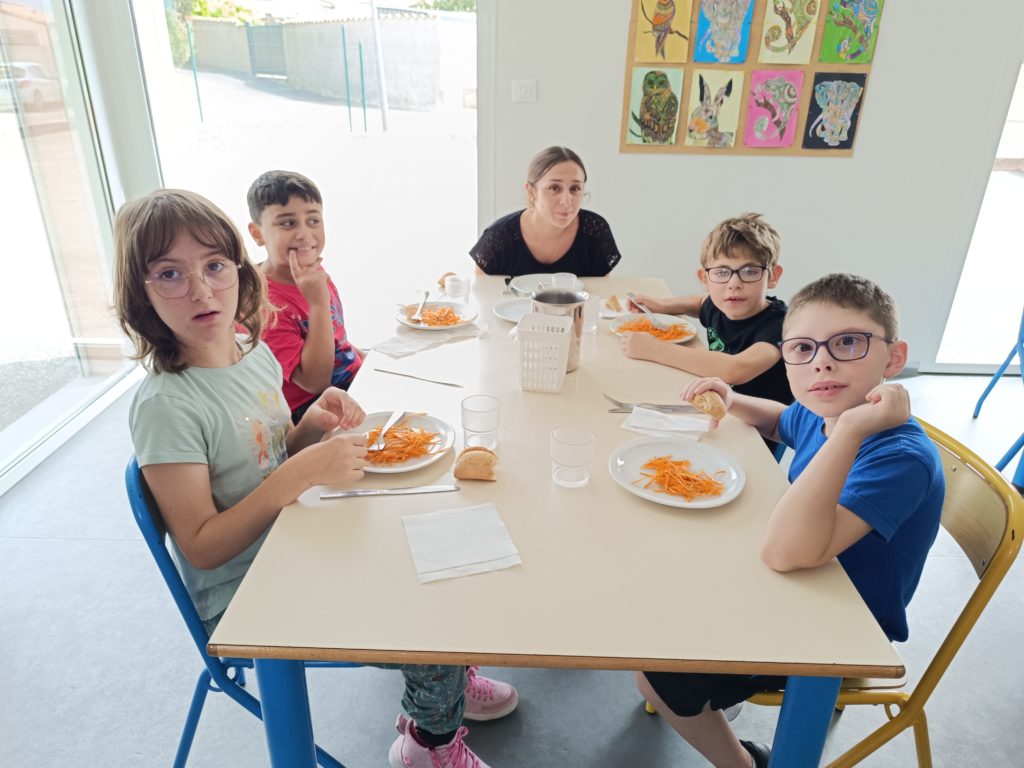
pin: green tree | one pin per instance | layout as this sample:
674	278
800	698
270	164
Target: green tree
447	5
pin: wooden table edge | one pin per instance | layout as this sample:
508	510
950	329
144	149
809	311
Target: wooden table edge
556	662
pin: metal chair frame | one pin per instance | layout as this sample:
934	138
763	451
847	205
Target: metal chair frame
1018	352
226	675
985	516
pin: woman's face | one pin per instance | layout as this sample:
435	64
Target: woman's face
557	195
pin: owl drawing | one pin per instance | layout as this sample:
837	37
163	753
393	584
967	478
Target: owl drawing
659	109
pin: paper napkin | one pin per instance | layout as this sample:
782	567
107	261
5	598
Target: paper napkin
459	542
658	424
409	341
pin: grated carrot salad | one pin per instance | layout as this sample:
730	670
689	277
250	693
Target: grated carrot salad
401	444
674	332
676	479
440	316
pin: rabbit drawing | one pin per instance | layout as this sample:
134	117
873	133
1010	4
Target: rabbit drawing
703	126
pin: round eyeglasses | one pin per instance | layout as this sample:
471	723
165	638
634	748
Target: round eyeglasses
219	275
844	347
750	273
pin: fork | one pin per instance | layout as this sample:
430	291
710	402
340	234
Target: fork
654	320
621	407
378	444
417	316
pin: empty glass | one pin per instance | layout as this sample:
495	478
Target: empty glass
480	416
565	280
572	452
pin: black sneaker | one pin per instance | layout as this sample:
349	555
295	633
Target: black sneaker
761	753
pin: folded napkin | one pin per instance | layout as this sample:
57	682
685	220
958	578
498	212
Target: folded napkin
459	542
648	422
409	341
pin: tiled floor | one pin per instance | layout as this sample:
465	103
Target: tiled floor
96	668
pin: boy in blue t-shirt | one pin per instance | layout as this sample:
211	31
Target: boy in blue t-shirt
866	487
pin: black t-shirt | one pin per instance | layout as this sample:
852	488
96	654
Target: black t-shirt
501	249
734	336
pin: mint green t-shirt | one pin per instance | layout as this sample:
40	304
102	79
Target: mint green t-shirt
234	420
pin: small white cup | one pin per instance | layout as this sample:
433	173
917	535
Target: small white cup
563	280
456	288
591	311
572	452
480	417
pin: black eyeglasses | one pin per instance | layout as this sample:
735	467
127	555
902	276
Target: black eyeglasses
844	347
749	273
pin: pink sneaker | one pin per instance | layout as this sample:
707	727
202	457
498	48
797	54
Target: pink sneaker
488	699
406	752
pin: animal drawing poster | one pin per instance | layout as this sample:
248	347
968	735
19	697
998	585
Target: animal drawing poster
773	107
662	31
654	105
834	109
851	30
713	113
723	31
787	35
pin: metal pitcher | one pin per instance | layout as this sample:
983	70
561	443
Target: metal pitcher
561	301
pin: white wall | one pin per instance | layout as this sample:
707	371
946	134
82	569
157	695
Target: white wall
900	211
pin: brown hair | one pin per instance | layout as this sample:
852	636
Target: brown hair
144	231
749	231
850	292
276	188
548	158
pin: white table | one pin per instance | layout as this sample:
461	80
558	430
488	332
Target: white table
608	580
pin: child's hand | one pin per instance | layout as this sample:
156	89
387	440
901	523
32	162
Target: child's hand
711	384
655	305
339	460
310	280
335	408
639	346
887	406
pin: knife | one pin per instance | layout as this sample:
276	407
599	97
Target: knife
389	491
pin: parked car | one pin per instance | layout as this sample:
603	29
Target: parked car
28	84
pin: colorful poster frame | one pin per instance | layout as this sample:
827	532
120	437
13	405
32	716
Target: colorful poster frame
757	110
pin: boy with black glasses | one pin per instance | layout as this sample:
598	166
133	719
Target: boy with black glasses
739	263
866	486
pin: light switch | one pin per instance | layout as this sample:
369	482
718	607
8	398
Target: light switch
524	91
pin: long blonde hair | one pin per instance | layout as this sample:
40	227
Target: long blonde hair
144	231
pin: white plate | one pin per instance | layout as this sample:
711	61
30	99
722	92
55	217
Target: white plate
466	313
626	461
525	285
446	438
624	318
512	309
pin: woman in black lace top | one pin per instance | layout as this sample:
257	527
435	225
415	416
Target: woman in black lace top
552	234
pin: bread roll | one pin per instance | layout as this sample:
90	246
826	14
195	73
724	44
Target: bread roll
612	302
440	280
476	464
711	403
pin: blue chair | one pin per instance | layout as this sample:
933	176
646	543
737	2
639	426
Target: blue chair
224	675
1018	352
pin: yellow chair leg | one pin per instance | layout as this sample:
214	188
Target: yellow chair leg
649	708
924	750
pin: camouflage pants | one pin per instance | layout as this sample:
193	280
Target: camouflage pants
434	694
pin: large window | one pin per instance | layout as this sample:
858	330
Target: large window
61	348
297	86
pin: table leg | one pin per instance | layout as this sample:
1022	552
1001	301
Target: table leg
286	720
807	708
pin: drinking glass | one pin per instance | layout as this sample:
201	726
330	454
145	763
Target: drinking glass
456	288
480	416
565	280
572	451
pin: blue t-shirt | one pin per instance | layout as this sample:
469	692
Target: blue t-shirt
896	485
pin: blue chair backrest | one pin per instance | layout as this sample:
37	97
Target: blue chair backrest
151	524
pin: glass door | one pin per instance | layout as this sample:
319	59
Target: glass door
61	345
